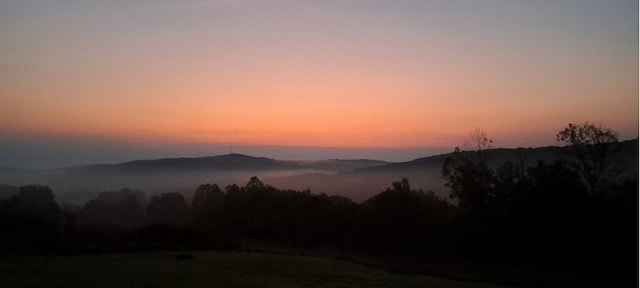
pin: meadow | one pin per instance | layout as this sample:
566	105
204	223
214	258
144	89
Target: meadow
203	269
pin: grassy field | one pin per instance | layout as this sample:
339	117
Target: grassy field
202	269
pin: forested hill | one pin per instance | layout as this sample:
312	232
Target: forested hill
80	183
356	179
625	153
426	173
550	225
229	162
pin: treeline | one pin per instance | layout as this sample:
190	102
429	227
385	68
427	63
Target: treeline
542	225
398	219
567	223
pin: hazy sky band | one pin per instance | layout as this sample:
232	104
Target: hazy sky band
317	73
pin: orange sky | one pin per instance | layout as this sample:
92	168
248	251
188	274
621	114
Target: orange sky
340	74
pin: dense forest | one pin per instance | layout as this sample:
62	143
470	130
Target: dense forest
570	222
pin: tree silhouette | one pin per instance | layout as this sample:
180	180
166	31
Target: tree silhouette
122	207
590	149
471	182
405	220
207	206
478	142
168	208
467	174
30	220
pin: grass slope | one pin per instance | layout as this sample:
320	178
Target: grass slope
204	269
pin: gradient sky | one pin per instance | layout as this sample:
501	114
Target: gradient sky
393	74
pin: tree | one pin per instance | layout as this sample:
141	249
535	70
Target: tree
479	143
485	199
36	195
123	207
472	184
255	184
207	206
405	220
168	208
207	196
30	220
590	146
37	202
467	174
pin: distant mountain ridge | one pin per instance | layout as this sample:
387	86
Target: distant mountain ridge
356	179
230	162
235	161
625	153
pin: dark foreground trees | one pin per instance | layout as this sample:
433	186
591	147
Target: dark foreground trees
402	220
31	221
590	150
572	219
536	226
543	226
124	207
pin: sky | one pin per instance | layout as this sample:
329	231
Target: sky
108	81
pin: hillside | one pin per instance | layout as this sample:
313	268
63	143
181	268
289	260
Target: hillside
230	162
425	173
77	184
202	269
356	179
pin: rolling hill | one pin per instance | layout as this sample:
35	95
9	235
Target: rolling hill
356	179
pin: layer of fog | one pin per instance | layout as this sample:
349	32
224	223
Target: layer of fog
77	188
51	152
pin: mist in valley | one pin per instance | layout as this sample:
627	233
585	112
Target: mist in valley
355	179
412	217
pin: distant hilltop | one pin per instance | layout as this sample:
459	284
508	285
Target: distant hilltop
231	162
357	179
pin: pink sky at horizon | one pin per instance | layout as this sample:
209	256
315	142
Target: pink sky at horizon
319	73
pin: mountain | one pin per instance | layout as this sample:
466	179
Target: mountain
425	173
230	162
77	184
625	155
356	179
